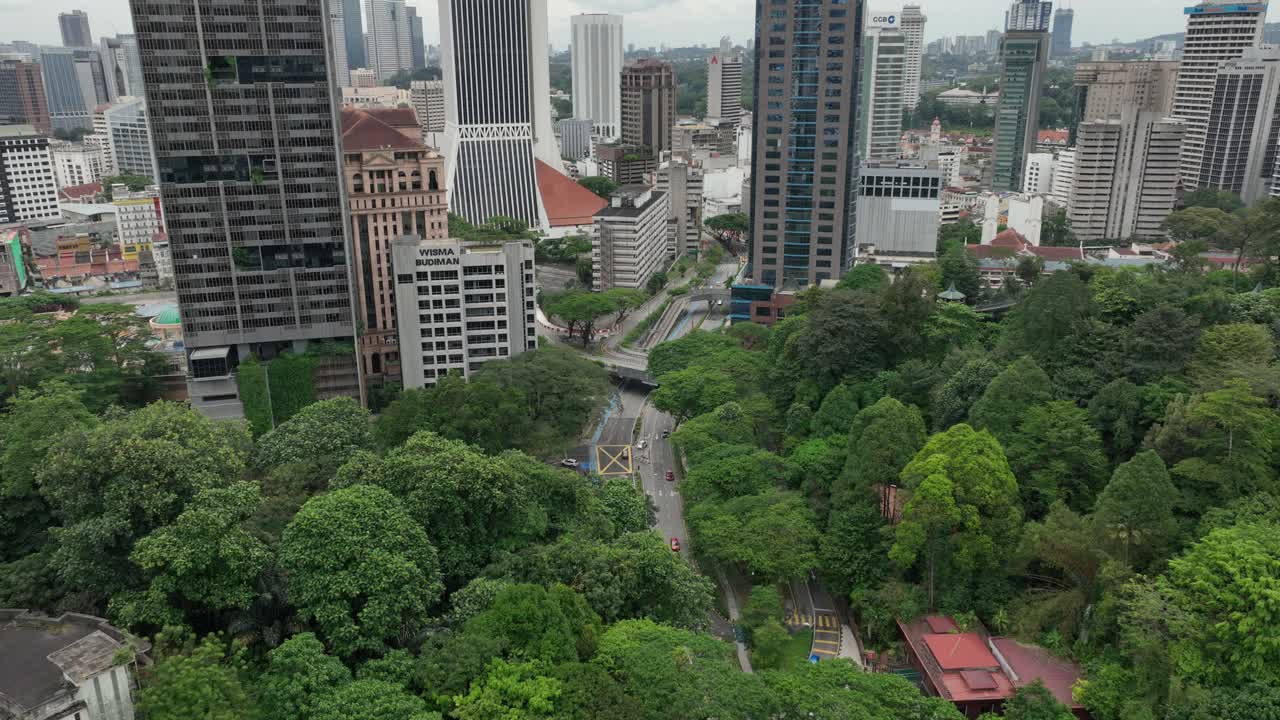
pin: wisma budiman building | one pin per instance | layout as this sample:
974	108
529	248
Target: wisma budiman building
804	162
242	117
497	107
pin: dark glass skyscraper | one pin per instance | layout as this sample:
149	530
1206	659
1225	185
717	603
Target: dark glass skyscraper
355	33
805	156
1062	21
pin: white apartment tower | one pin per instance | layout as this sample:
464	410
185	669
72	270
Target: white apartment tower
1038	178
1064	178
724	89
883	82
338	51
630	238
597	71
389	38
1217	31
912	21
461	304
128	137
497	106
28	183
77	164
1126	176
428	101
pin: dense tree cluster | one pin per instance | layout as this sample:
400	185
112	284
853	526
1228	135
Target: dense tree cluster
1101	476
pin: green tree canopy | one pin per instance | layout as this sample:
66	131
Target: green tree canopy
1010	395
298	675
1135	509
1057	455
197	681
772	534
323	430
882	440
600	185
864	276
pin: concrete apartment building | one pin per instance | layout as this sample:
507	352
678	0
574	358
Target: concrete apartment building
575	138
395	190
681	178
1064	178
724	89
138	219
128	137
364	78
77	163
883	83
249	180
912	21
28	181
648	106
1126	177
1039	175
389	38
427	98
596	69
625	165
803	232
1240	140
629	242
898	214
22	98
460	305
1106	89
1217	31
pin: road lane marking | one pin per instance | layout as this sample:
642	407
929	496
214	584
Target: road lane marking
614	459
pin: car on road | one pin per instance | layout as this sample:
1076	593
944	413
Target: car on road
675	544
569	462
640	445
671	476
666	433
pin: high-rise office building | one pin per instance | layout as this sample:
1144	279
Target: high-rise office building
74	84
243	121
395	189
1217	31
912	21
724	89
128	137
898	213
597	71
1105	89
497	107
804	153
390	38
1126	176
884	55
22	98
460	305
1063	18
75	29
28	181
1029	16
648	105
339	62
353	29
121	66
629	243
1244	126
1024	57
428	101
417	43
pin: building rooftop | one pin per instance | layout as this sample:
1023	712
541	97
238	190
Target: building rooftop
18	131
1029	663
76	192
567	203
87	209
627	197
41	656
376	129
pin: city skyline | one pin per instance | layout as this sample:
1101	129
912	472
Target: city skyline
677	23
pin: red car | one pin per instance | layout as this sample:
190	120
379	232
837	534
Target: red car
675	544
671	476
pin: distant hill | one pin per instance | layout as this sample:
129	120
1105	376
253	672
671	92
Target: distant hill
1271	34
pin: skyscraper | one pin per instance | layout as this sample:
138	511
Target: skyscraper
353	27
339	62
417	44
428	101
1107	88
121	66
28	181
22	98
597	71
883	81
497	107
1062	21
1217	31
75	29
1126	176
912	22
128	141
648	105
1024	56
724	89
74	83
390	38
1244	126
1029	15
244	125
804	167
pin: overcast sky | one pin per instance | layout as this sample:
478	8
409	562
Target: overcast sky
675	22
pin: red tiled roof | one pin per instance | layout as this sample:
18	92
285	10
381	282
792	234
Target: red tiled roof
1030	663
362	130
1054	136
1004	250
396	117
75	192
1009	238
1065	254
958	665
960	651
567	203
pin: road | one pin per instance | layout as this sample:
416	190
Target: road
809	605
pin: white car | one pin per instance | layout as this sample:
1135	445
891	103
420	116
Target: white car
569	462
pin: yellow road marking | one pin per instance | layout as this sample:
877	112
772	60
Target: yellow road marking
614	459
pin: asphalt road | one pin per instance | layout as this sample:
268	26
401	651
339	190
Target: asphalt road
655	459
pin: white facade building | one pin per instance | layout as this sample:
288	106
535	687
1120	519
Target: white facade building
363	78
629	242
427	98
497	108
724	89
884	50
389	37
77	164
575	138
126	124
1217	31
138	217
898	214
681	180
912	21
28	181
1126	177
338	60
1064	178
461	304
375	97
597	71
1038	178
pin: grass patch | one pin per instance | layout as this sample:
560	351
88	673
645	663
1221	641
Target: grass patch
678	291
797	649
645	325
